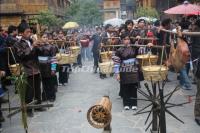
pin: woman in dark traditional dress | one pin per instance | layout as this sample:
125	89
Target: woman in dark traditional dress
127	72
48	69
64	69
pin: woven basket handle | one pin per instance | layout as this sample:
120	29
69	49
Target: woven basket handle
10	51
163	49
142	62
56	44
58	49
149	58
149	55
143	59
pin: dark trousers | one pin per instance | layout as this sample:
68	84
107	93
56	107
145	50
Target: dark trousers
129	93
120	91
64	73
33	89
197	101
96	59
5	82
49	90
79	61
1	115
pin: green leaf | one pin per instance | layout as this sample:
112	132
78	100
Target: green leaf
147	12
47	18
21	83
85	12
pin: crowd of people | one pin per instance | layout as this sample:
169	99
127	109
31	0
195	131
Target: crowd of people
37	56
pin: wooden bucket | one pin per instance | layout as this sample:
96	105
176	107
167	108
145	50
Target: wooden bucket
145	60
99	115
155	72
106	67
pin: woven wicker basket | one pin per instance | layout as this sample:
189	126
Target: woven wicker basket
63	58
145	60
15	69
106	56
72	58
75	50
59	42
155	72
106	67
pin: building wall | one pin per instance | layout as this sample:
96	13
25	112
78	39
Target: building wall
159	5
111	9
12	11
5	21
147	3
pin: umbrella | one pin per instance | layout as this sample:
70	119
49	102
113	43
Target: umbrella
185	8
195	13
148	19
114	22
70	25
145	18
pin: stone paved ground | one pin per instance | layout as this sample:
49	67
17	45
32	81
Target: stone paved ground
69	112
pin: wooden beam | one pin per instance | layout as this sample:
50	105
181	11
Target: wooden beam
28	107
135	45
184	33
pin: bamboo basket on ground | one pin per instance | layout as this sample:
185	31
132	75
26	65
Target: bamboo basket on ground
146	59
63	58
99	115
106	67
106	56
15	69
75	50
155	72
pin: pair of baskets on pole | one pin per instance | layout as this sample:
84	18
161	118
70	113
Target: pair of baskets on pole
148	62
69	58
